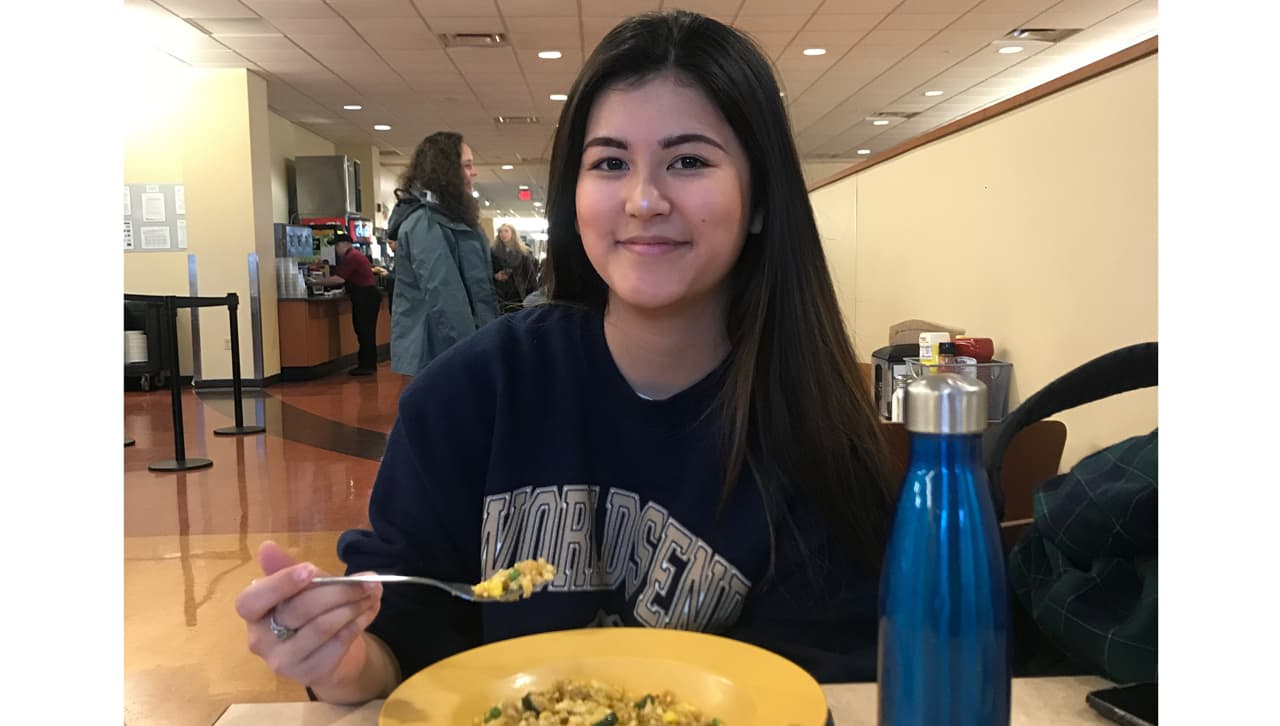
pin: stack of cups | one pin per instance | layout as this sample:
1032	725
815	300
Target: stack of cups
135	346
289	279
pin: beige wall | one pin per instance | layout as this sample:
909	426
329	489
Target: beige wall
212	136
153	147
1036	228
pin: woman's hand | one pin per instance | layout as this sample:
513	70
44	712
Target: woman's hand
320	644
501	276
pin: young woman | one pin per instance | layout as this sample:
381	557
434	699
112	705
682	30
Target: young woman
514	273
443	286
706	456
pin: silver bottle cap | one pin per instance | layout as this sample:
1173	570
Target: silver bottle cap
946	403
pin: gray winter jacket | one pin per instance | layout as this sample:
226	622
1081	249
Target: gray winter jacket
443	282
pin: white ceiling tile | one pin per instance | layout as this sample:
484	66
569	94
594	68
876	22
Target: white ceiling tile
465	24
207	8
617	8
282	56
456	8
917	21
549	26
210	57
413	84
538	8
492	61
374	8
236	26
769	23
722	10
425	61
777	7
396	33
1079	13
290	8
333	26
1028	7
844	23
959	43
259	42
998	24
905	39
544	41
936	6
839	7
569	62
835	42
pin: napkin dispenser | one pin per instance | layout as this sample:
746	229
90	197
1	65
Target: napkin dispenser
886	363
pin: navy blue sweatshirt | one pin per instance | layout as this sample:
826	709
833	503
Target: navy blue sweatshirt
525	441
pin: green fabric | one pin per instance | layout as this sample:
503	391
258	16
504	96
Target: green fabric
1086	569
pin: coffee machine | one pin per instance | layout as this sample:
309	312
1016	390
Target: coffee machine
886	363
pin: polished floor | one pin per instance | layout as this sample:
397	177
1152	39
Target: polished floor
190	537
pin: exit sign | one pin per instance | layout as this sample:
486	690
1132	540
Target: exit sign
525	195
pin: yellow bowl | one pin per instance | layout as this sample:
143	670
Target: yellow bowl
740	684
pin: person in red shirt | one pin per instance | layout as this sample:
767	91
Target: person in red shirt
355	272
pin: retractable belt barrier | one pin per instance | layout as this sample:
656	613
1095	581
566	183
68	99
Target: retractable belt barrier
172	303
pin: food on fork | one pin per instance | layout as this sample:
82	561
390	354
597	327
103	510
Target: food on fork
525	576
592	703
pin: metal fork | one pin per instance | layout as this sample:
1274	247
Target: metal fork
457	589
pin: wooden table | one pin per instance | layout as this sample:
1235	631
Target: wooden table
1036	702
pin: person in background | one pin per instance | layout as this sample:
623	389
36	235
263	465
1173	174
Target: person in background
443	275
707	455
387	271
513	269
355	272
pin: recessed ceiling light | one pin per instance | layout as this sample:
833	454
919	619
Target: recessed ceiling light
815	51
863	152
507	167
486	202
523	187
475	193
381	127
537	204
880	122
549	54
559	97
1006	50
933	93
781	94
352	107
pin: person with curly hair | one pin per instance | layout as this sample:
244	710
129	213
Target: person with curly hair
443	278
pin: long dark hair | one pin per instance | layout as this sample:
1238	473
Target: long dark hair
796	411
437	166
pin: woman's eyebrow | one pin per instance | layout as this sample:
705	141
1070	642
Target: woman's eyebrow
607	141
666	142
679	139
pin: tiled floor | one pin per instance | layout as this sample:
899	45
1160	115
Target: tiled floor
190	538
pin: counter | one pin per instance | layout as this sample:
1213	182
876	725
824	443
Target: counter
316	337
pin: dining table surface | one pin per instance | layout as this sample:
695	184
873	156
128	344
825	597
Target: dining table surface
1057	701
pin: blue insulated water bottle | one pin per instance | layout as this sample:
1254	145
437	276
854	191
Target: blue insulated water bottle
944	604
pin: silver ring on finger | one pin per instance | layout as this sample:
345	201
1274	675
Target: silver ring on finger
281	632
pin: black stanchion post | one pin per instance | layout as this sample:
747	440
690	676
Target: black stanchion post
129	442
233	302
179	462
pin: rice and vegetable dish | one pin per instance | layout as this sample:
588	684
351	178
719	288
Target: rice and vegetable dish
592	703
524	576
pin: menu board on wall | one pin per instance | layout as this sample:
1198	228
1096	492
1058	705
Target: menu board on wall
155	218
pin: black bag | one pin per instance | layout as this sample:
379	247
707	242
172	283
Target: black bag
1084	573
